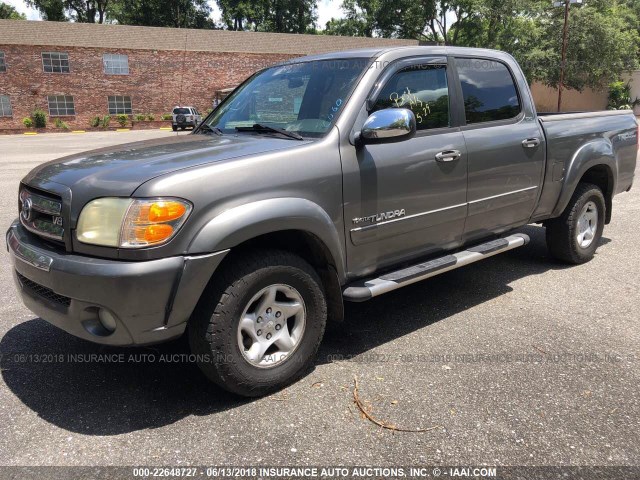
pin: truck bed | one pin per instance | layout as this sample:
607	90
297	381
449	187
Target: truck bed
587	137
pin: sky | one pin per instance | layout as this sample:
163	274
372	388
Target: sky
326	10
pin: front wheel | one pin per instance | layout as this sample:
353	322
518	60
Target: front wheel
259	323
575	236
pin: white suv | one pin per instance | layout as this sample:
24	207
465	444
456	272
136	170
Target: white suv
183	117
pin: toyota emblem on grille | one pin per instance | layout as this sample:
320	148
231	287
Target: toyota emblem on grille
27	209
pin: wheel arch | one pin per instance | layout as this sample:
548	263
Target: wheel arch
594	163
296	225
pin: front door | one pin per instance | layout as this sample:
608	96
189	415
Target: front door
407	199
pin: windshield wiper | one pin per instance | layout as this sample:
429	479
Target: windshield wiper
259	127
208	128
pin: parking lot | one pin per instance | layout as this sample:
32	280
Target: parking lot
517	360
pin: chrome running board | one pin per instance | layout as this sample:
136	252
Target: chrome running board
364	290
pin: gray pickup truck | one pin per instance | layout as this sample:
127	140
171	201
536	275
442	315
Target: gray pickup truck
329	178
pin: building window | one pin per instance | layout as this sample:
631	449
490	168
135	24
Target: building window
54	62
115	64
119	104
61	105
3	64
5	106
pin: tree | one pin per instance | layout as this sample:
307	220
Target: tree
282	16
164	13
84	11
8	12
604	34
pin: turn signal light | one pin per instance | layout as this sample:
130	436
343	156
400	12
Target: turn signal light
152	222
166	211
157	233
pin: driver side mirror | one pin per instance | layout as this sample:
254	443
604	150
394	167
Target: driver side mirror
388	125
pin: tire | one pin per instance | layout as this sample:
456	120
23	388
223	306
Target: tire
587	205
174	128
223	347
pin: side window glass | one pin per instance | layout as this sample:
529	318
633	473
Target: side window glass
488	89
421	88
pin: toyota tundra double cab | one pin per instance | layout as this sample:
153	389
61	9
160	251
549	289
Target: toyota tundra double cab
325	179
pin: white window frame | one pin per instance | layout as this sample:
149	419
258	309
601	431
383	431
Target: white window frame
120	102
115	64
59	105
59	61
5	106
3	63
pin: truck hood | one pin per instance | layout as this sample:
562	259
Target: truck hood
119	170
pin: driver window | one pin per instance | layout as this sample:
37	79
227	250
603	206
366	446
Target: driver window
421	88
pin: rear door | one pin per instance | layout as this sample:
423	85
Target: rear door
505	147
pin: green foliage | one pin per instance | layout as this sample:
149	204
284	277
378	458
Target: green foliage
139	117
167	116
122	119
163	13
39	118
61	124
151	117
9	12
105	121
604	37
620	96
27	122
284	16
95	121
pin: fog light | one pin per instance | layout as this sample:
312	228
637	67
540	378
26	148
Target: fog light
107	319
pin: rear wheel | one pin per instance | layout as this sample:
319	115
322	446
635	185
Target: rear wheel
259	323
575	236
174	128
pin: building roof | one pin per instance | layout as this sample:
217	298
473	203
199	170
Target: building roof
68	34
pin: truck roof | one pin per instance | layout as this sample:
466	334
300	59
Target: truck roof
372	53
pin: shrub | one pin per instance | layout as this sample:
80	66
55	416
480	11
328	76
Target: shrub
95	121
122	119
27	122
620	96
167	116
39	118
151	117
60	124
139	117
105	121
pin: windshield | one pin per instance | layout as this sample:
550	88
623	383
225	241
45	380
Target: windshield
303	98
181	111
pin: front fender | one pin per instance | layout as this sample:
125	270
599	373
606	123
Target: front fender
245	222
592	154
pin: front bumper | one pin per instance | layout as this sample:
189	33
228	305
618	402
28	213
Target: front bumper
151	301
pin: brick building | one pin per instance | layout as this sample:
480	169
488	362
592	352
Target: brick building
76	71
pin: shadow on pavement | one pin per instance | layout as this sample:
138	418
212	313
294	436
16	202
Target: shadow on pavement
111	397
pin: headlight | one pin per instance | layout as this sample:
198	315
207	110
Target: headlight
129	223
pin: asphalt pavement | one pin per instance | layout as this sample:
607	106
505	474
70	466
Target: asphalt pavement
517	360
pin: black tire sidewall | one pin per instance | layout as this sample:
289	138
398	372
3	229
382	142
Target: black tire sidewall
593	195
227	366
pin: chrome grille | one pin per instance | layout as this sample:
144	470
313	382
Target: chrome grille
41	214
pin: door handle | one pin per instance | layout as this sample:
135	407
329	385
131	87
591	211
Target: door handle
531	142
448	156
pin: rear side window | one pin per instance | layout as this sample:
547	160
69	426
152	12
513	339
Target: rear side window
422	89
488	89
